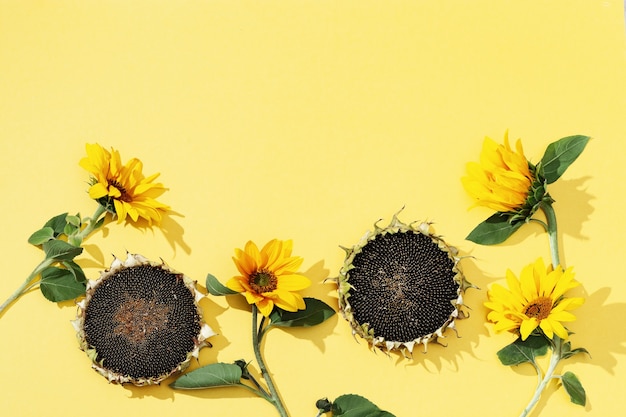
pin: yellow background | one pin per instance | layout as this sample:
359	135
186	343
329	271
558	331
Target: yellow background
310	120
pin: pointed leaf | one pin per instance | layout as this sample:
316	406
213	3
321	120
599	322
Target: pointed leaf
60	250
568	352
351	405
42	235
69	229
574	388
59	284
522	351
496	229
73	220
214	287
75	239
57	223
316	312
210	376
75	270
560	155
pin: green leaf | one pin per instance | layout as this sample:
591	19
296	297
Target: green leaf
73	220
69	229
574	388
568	352
75	239
214	287
210	376
42	235
522	351
496	229
57	223
316	312
559	156
75	270
59	284
60	250
351	405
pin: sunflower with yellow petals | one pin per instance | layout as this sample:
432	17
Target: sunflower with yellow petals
269	276
535	300
123	189
503	178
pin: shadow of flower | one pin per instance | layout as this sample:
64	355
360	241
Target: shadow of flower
572	193
603	341
171	229
468	329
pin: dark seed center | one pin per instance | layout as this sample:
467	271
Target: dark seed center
263	281
539	308
142	321
403	286
137	319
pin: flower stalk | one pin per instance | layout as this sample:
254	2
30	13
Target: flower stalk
551	228
27	284
93	223
257	333
549	375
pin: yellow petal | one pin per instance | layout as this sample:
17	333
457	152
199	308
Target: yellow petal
114	192
527	327
253	253
235	284
293	282
120	210
245	263
265	306
559	329
505	325
286	265
97	191
271	253
546	326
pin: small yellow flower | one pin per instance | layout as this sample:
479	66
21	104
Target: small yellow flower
503	178
535	300
269	277
123	188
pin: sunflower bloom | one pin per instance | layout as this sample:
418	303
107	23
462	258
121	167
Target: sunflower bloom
269	276
534	301
123	189
503	178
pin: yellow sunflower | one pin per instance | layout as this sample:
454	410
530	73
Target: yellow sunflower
269	277
123	189
502	179
535	300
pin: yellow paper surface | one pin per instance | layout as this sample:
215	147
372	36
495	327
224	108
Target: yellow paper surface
310	120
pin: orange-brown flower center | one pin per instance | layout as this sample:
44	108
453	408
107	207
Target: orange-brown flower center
263	281
125	197
137	319
539	308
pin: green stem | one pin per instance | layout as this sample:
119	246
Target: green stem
259	358
548	210
93	221
259	392
26	285
554	360
30	281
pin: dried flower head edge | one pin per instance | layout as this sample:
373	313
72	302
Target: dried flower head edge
119	189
